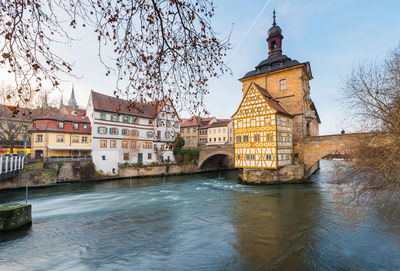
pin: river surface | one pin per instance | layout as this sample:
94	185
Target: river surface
198	222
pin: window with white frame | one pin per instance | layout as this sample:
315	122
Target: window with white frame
282	84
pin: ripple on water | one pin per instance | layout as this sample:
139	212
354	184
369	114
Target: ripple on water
196	223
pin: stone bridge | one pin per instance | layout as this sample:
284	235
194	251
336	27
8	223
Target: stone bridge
310	150
314	148
216	157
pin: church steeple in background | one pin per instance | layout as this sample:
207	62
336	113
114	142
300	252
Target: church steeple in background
274	38
72	101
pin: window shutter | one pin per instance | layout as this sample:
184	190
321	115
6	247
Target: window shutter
98	130
105	130
116	130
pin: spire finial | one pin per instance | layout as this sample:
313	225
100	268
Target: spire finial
274	23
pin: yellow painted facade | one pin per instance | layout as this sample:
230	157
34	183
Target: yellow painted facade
260	142
42	140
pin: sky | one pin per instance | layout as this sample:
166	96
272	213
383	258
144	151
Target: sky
332	35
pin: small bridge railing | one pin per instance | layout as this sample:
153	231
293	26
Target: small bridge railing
69	158
11	163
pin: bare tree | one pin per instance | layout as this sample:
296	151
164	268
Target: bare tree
164	48
371	175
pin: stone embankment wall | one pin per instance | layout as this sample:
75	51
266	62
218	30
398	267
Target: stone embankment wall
42	174
47	173
132	171
287	174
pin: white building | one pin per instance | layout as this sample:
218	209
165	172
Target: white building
123	133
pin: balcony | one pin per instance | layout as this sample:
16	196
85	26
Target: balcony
310	115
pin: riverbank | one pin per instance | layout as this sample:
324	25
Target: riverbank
42	174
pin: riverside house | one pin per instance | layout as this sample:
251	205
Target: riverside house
127	132
55	135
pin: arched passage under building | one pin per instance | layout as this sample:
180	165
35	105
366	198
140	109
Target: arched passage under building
216	162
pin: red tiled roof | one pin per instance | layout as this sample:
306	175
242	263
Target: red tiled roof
112	104
220	122
22	113
49	123
71	109
272	102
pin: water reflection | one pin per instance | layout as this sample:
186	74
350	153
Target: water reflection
273	225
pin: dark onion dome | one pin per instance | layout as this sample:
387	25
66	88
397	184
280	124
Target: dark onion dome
274	31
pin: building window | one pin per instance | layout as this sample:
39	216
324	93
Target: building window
113	118
238	157
113	131
60	125
124	144
85	126
188	130
60	138
84	139
103	144
24	127
268	157
125	131
168	123
149	156
103	157
268	121
219	139
253	157
253	123
240	124
167	135
282	84
39	138
288	138
188	140
258	109
125	119
245	138
194	140
75	139
247	156
288	123
147	145
103	117
194	129
246	111
215	139
270	137
113	143
24	138
76	126
219	131
224	130
126	156
256	138
278	121
102	130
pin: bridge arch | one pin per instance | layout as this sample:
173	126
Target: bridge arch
318	147
216	156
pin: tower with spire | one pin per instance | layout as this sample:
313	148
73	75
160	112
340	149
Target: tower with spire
276	112
72	101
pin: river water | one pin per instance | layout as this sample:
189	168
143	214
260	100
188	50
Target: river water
199	222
